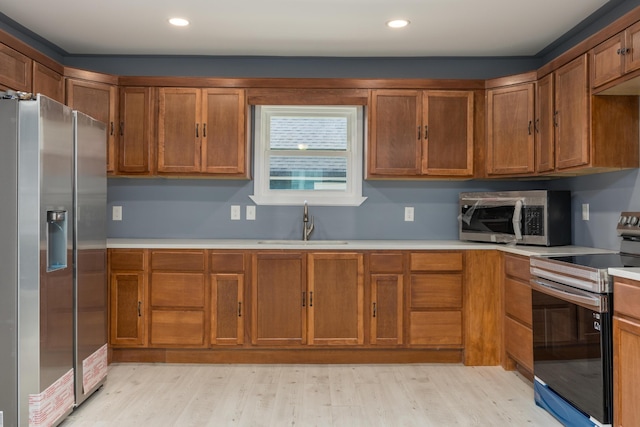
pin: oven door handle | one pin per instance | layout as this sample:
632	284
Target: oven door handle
517	220
576	296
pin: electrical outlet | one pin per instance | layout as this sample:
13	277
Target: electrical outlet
585	211
116	214
235	212
408	213
250	213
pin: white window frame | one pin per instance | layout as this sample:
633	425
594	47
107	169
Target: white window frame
263	195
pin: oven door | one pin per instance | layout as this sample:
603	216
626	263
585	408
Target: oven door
572	346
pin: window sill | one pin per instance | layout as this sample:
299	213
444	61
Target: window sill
312	200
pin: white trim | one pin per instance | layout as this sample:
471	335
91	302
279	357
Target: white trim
263	195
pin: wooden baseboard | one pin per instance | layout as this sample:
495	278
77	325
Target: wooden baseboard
301	356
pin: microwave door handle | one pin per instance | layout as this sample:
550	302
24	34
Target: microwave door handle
517	220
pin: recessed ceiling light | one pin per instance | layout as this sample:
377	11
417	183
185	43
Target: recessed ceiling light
179	22
397	23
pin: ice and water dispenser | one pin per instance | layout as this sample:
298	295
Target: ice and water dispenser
56	240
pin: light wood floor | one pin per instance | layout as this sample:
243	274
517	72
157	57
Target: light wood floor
422	395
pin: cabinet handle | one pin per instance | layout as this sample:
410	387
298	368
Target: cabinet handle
139	308
619	51
536	127
204	130
121	128
426	132
111	129
197	136
419	134
529	127
310	299
375	309
555	119
239	308
304	299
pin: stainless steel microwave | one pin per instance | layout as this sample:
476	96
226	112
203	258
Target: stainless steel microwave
534	217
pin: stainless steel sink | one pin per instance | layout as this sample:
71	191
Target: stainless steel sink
302	242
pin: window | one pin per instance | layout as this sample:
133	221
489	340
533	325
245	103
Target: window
311	153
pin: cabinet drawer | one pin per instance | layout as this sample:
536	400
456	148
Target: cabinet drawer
517	300
220	262
626	297
177	260
517	266
127	259
435	328
436	291
177	290
436	261
386	263
184	328
519	342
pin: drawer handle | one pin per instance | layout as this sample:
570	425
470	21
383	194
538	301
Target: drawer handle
239	308
139	308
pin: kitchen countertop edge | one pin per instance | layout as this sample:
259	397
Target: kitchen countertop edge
632	273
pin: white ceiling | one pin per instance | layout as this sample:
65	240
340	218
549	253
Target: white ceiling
302	27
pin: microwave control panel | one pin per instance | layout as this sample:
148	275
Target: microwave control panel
533	220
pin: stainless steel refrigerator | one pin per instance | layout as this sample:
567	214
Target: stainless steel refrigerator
38	310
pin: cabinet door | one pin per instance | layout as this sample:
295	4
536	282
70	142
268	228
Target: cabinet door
97	100
179	130
632	45
510	143
48	82
608	60
572	114
227	309
278	299
336	299
447	133
395	139
626	372
386	309
16	69
135	130
223	131
544	126
127	317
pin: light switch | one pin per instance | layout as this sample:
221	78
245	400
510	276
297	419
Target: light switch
116	213
408	213
585	211
250	214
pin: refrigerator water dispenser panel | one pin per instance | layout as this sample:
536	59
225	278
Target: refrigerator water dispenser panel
56	240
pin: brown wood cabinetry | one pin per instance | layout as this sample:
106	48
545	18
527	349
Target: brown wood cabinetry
227	275
415	133
336	298
544	125
626	348
202	131
616	56
386	281
510	130
135	131
592	132
518	335
98	100
435	299
177	299
48	82
127	296
16	69
279	299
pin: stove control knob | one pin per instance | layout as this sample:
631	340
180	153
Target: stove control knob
633	220
623	220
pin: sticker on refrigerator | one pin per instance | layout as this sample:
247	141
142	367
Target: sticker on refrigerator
47	407
94	369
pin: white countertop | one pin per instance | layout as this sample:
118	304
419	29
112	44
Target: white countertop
345	245
632	273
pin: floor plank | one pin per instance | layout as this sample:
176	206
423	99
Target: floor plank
420	395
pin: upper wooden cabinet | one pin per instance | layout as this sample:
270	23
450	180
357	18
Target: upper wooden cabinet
135	131
202	131
510	130
616	56
420	133
98	100
48	82
16	69
592	132
544	125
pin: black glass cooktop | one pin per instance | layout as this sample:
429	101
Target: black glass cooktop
601	261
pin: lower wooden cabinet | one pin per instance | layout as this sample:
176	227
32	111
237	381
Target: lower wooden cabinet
517	320
127	298
386	305
626	348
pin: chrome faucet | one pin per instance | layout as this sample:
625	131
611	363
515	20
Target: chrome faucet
307	222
